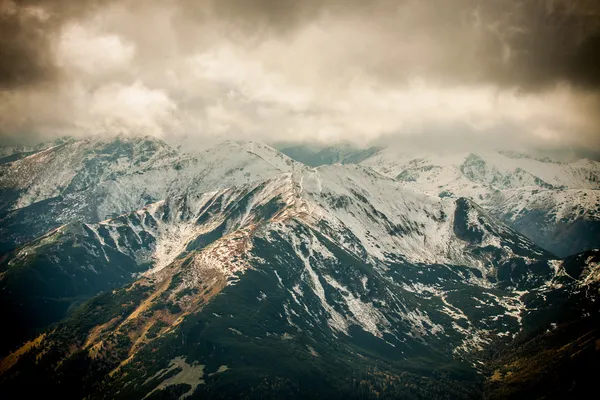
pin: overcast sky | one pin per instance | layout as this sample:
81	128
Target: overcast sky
509	73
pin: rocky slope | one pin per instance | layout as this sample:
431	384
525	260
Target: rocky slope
315	269
555	204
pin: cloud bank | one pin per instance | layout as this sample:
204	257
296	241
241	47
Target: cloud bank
439	73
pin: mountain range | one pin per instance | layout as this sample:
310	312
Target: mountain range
556	204
131	270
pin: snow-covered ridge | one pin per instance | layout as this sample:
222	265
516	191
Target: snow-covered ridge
378	218
373	217
128	168
76	165
99	178
501	170
20	151
96	179
540	198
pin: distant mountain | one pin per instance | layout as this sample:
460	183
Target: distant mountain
317	156
555	204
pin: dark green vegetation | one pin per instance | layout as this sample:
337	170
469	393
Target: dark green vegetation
43	281
51	276
272	332
270	345
562	362
557	355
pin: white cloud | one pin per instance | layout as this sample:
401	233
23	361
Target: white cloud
246	92
83	49
131	108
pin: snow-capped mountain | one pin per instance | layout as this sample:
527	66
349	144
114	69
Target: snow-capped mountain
345	204
343	263
555	204
94	179
77	165
502	170
255	276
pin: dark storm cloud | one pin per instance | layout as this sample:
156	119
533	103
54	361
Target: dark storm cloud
538	43
27	29
525	43
24	54
326	70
